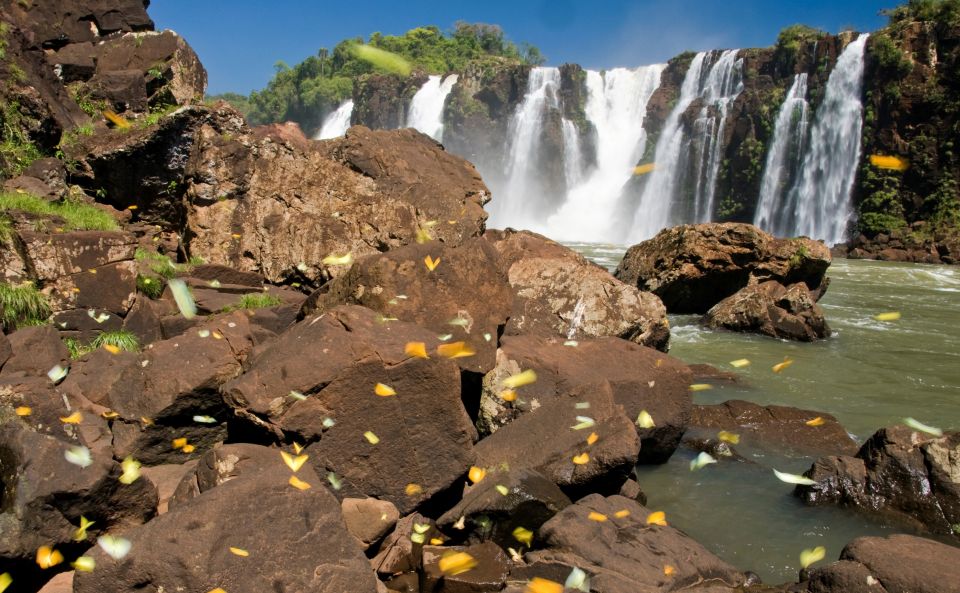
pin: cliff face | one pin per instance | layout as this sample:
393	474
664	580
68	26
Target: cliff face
911	101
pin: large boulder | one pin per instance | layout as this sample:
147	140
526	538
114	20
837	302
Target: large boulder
897	471
610	540
295	540
641	378
692	267
271	206
771	309
779	428
56	24
316	384
558	291
893	564
466	296
543	439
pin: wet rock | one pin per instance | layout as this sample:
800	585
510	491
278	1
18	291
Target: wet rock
780	428
44	496
489	575
263	205
557	291
693	267
368	519
641	379
543	439
624	554
296	541
465	296
487	513
897	471
773	310
898	563
335	361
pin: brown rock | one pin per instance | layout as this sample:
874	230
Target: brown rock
557	291
543	440
465	296
624	554
368	519
167	478
336	360
893	564
489	575
296	542
771	309
641	379
34	351
781	428
398	553
693	267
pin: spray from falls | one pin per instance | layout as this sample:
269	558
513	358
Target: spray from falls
822	205
617	108
336	123
426	108
775	212
572	154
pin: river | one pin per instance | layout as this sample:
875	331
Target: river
869	374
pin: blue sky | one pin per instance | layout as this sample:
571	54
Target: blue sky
240	41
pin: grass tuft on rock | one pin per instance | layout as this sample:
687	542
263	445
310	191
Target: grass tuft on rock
22	305
150	286
76	215
254	300
121	338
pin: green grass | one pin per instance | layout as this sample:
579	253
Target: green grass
150	286
22	305
160	264
6	229
254	300
76	215
77	348
121	338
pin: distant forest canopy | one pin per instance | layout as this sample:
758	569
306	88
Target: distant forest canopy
320	83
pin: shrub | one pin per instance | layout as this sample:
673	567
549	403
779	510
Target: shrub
22	305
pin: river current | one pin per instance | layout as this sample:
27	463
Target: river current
869	374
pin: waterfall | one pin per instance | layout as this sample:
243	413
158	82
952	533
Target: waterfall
822	204
426	108
617	107
670	195
572	155
336	123
775	214
520	204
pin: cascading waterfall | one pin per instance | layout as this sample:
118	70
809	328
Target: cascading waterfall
572	154
617	107
822	204
519	205
426	108
775	214
668	196
336	123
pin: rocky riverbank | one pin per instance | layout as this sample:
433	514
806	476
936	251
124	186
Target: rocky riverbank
234	359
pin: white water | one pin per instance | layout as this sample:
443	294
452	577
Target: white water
336	123
572	154
617	107
668	197
519	206
822	204
775	213
426	108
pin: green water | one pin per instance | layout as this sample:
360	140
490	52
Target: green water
869	374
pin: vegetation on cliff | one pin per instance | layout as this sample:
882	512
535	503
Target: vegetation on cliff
319	83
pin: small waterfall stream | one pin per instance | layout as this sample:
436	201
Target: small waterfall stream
426	108
336	123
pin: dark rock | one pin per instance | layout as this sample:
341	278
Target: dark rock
369	519
773	310
336	360
466	295
487	513
780	428
897	471
35	350
620	552
489	574
297	542
398	553
543	439
894	564
220	465
6	350
641	379
55	24
693	267
631	489
557	291
167	478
